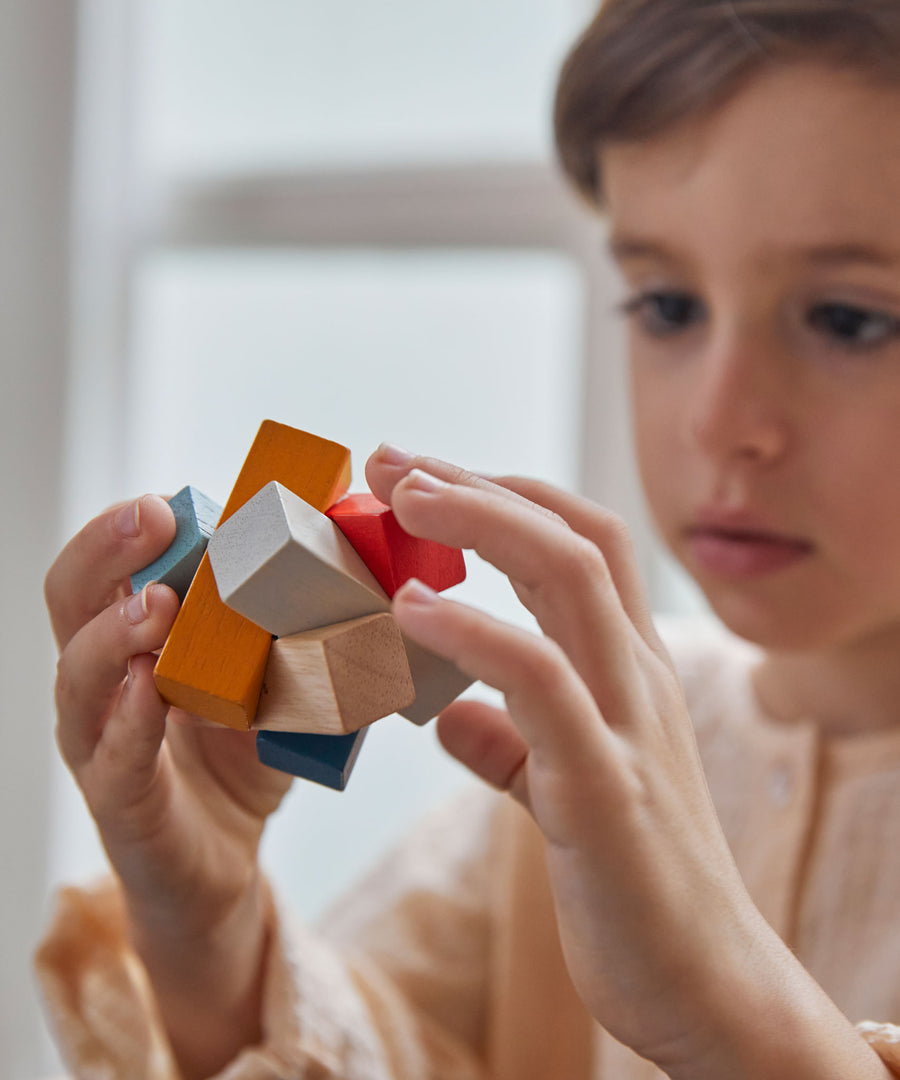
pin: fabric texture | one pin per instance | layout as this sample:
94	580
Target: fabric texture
445	961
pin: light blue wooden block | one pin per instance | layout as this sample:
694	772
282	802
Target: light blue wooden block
196	516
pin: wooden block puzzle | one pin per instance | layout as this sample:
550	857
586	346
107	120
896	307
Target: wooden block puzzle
281	563
196	517
389	551
287	567
324	759
340	661
214	660
336	679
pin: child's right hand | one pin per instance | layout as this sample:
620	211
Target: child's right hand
180	807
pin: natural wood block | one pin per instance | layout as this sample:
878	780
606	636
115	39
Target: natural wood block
283	564
324	759
389	551
336	679
214	660
196	516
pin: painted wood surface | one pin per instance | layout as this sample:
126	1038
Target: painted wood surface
323	759
214	660
196	517
285	566
391	553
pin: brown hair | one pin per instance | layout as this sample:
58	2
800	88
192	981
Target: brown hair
643	65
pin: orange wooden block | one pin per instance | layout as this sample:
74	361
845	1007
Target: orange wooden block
336	679
214	660
389	551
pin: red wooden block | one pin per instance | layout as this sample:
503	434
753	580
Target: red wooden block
391	554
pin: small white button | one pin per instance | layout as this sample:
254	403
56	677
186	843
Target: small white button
781	785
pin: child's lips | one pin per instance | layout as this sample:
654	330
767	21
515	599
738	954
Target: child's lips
743	553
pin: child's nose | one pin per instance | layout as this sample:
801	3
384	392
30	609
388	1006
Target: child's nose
740	402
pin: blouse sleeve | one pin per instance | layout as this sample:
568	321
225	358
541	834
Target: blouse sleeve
392	987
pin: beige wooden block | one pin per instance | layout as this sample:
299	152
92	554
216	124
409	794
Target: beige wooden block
336	679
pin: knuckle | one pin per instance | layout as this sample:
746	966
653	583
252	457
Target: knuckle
63	679
580	562
614	527
456	475
63	747
57	594
545	666
534	493
551	515
51	586
537	492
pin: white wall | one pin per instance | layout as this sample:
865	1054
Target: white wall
36	66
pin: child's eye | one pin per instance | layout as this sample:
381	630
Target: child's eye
853	325
661	313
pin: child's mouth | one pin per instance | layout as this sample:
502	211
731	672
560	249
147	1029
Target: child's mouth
744	554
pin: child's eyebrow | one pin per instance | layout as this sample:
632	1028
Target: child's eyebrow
624	247
839	254
631	247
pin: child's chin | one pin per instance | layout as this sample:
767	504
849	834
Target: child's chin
771	626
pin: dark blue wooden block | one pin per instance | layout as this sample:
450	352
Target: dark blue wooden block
196	517
324	759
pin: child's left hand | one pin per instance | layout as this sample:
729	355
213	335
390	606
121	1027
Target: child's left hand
662	941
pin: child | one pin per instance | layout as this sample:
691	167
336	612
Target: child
747	153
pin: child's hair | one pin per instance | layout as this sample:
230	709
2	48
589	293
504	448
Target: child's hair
643	65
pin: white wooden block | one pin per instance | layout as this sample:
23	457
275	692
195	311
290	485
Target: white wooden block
285	566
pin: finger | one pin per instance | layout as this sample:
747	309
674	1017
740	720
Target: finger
389	466
550	705
125	760
94	665
92	569
560	576
605	529
232	767
190	720
485	740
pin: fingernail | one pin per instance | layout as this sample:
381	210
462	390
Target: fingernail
423	481
128	519
136	607
394	455
417	592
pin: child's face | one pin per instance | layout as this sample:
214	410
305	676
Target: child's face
762	249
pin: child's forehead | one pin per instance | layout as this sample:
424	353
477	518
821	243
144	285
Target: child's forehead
805	159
